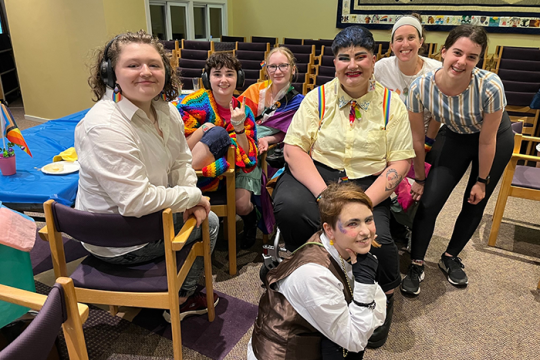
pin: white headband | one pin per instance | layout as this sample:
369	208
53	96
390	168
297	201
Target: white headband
407	20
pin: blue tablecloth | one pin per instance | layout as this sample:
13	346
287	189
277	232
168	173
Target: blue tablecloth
31	186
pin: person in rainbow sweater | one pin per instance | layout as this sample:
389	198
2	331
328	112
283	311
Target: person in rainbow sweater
214	120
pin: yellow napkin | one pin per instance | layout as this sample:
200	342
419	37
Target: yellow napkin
66	155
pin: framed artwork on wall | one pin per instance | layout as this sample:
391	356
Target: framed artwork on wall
500	16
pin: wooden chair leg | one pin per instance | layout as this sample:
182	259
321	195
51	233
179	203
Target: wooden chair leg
501	203
231	234
538	285
208	271
113	309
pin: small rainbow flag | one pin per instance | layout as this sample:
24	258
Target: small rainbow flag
12	132
263	63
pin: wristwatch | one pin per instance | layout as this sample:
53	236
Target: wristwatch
483	181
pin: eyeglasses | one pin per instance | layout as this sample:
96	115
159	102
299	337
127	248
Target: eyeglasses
273	68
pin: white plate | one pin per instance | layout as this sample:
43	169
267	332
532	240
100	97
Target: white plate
61	168
187	92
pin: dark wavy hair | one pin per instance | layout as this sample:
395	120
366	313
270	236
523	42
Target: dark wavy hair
219	60
475	33
354	36
172	83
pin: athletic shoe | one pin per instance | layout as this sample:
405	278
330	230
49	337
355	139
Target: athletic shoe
194	305
453	267
411	283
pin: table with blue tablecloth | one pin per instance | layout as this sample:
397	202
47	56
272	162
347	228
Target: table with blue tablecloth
29	188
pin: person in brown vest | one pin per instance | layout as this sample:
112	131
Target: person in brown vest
323	301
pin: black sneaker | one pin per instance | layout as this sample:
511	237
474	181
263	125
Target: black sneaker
411	283
453	267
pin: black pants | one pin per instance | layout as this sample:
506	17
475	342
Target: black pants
457	153
297	216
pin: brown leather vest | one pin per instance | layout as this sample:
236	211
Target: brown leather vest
280	332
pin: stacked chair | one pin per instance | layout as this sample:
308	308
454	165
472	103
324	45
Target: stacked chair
233	39
265	39
305	57
172	48
318	44
293	41
251	56
382	49
197	52
519	70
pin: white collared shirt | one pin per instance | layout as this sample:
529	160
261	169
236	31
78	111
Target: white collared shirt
127	168
317	295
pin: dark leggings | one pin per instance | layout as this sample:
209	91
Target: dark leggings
297	217
457	153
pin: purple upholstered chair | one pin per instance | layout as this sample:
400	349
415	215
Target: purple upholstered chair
154	284
250	55
191	63
518	181
189	72
232	39
198	45
194	54
253	46
293	41
58	308
265	39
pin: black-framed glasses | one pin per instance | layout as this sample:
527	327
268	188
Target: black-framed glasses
273	68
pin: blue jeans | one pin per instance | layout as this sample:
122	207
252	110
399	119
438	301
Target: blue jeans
156	249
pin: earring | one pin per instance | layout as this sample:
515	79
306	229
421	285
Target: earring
372	82
117	94
163	96
332	242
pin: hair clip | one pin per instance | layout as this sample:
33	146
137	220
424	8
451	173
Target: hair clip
263	63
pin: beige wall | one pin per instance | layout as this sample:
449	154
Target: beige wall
53	42
316	19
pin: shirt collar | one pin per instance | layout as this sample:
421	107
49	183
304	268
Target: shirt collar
343	99
129	109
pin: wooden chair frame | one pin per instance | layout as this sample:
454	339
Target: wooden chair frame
228	210
507	189
154	300
77	313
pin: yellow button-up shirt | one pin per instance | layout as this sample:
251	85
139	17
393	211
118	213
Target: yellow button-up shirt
361	149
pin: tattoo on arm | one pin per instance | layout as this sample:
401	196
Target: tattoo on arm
392	180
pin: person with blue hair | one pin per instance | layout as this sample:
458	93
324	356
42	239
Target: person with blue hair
349	129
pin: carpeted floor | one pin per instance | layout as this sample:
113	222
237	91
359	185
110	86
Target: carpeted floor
496	317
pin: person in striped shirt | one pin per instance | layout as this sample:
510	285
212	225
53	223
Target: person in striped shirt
470	102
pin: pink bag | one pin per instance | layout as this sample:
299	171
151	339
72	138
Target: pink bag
16	231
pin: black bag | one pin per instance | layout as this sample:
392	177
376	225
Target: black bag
276	159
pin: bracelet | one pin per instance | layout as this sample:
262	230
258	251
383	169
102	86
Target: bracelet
420	181
236	123
428	143
319	197
370	305
240	132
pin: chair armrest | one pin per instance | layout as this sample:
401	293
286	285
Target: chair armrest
526	157
180	239
44	233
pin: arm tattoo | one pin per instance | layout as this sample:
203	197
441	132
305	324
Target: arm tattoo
392	180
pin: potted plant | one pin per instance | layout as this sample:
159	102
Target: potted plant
7	160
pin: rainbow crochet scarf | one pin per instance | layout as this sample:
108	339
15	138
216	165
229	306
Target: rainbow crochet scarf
199	108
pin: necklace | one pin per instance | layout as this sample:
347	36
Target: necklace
345	352
408	84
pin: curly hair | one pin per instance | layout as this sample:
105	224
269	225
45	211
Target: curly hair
96	82
336	196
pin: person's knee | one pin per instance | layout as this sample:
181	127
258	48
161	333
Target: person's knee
243	206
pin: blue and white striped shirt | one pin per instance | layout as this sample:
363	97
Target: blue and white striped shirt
462	113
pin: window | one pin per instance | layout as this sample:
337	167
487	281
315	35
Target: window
175	20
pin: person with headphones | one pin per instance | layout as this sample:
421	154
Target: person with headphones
214	120
133	154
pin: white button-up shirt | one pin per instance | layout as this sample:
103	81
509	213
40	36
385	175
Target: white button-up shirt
317	295
127	168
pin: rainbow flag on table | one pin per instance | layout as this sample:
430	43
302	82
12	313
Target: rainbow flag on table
10	129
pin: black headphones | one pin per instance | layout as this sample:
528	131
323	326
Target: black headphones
240	78
107	71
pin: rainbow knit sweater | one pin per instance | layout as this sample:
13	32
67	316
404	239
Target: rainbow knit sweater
199	108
